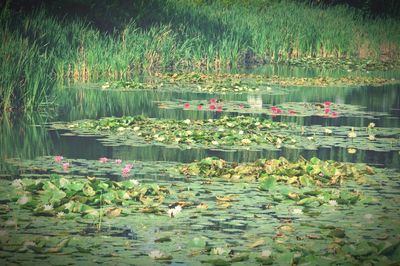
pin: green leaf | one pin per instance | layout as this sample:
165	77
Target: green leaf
268	183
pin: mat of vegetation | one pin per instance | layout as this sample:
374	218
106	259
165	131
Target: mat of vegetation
217	212
232	133
301	109
239	83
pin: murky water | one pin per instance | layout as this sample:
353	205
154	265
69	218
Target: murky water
252	217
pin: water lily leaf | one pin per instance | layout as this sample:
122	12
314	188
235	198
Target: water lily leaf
257	243
198	242
265	260
88	190
308	201
52	196
226	198
268	183
113	212
75	186
57	248
338	232
163	239
240	257
218	262
389	247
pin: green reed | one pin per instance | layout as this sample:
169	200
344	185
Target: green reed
38	49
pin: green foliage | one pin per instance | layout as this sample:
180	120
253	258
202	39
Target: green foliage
38	48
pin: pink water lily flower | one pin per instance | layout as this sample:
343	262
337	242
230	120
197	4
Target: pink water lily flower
292	112
333	114
212	107
103	159
213	100
125	171
129	166
186	105
327	103
199	107
66	166
219	108
327	110
118	161
241	106
58	158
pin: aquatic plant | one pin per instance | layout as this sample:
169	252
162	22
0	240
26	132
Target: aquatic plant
228	133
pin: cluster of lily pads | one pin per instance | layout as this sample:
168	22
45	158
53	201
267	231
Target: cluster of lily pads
229	132
278	175
238	83
230	80
347	64
326	109
62	197
240	132
296	192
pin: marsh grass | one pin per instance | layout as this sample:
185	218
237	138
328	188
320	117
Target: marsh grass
37	49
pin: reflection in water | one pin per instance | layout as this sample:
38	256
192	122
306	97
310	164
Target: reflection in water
20	138
255	101
23	137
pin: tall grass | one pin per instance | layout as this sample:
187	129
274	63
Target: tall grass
38	49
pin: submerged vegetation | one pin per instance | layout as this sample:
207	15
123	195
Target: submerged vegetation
39	48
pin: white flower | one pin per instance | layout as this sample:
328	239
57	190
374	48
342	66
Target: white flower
371	125
214	142
105	86
68	205
221	129
156	254
297	211
134	182
17	183
23	200
177	139
60	214
278	141
160	138
136	128
173	212
266	253
241	132
120	129
310	138
219	251
246	141
371	137
187	121
351	150
352	134
327	131
333	203
47	207
269	88
368	216
188	133
230	124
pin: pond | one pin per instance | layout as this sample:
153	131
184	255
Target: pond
138	190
